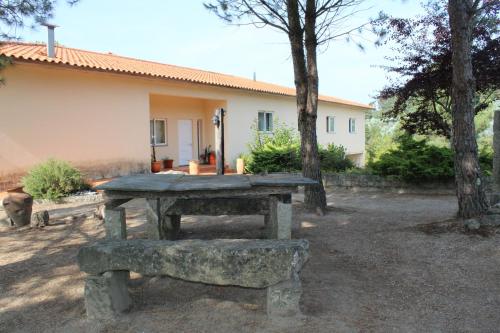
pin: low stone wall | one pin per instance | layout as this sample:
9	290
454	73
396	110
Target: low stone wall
374	182
90	170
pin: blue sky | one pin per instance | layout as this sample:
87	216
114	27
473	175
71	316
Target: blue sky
184	33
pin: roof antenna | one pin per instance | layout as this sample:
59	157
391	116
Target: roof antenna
51	49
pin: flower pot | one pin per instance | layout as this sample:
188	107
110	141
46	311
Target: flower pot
168	164
18	207
156	166
211	158
240	166
194	167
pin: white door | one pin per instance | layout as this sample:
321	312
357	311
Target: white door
185	128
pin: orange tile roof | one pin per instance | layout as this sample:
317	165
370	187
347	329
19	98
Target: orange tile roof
118	64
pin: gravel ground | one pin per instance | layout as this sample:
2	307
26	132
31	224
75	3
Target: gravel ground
379	263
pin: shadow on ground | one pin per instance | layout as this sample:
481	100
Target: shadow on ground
379	262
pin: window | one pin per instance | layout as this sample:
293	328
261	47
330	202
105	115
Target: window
265	121
352	125
330	124
158	131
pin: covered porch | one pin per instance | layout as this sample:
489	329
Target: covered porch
181	128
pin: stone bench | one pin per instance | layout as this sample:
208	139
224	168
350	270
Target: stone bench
271	264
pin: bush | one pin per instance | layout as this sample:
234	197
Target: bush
486	159
52	180
273	158
280	152
333	158
415	161
276	152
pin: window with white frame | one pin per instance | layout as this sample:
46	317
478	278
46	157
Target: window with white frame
352	125
330	124
265	121
158	132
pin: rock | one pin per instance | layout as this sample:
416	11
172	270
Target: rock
18	207
240	262
472	224
40	219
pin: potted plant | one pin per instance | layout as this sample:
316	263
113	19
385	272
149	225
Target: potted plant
205	157
210	155
168	163
155	165
240	165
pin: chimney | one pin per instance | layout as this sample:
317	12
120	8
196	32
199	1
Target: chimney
51	49
255	76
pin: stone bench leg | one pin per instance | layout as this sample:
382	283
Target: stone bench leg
160	225
279	220
283	298
106	295
115	220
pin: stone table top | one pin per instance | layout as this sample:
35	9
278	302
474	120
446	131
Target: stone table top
184	183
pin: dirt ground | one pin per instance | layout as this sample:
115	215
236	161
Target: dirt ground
375	266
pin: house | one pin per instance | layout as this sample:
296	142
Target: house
102	112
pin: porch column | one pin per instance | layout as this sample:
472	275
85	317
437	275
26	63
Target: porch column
218	121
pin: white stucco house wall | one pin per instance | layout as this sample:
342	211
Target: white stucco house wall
99	111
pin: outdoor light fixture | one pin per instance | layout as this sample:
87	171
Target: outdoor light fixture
215	120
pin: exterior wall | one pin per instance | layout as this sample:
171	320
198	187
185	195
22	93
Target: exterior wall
99	121
243	109
353	142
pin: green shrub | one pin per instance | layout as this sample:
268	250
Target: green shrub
486	160
280	152
333	158
276	152
271	158
52	180
415	161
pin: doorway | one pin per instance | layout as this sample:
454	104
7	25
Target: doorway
185	129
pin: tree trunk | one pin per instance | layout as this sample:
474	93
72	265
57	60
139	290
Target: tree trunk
471	195
306	84
315	197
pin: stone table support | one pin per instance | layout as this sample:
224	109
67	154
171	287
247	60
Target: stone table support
162	225
279	220
115	219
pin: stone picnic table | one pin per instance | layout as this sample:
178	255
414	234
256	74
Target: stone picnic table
169	196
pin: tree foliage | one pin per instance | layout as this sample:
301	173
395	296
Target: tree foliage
415	161
307	24
15	14
422	48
